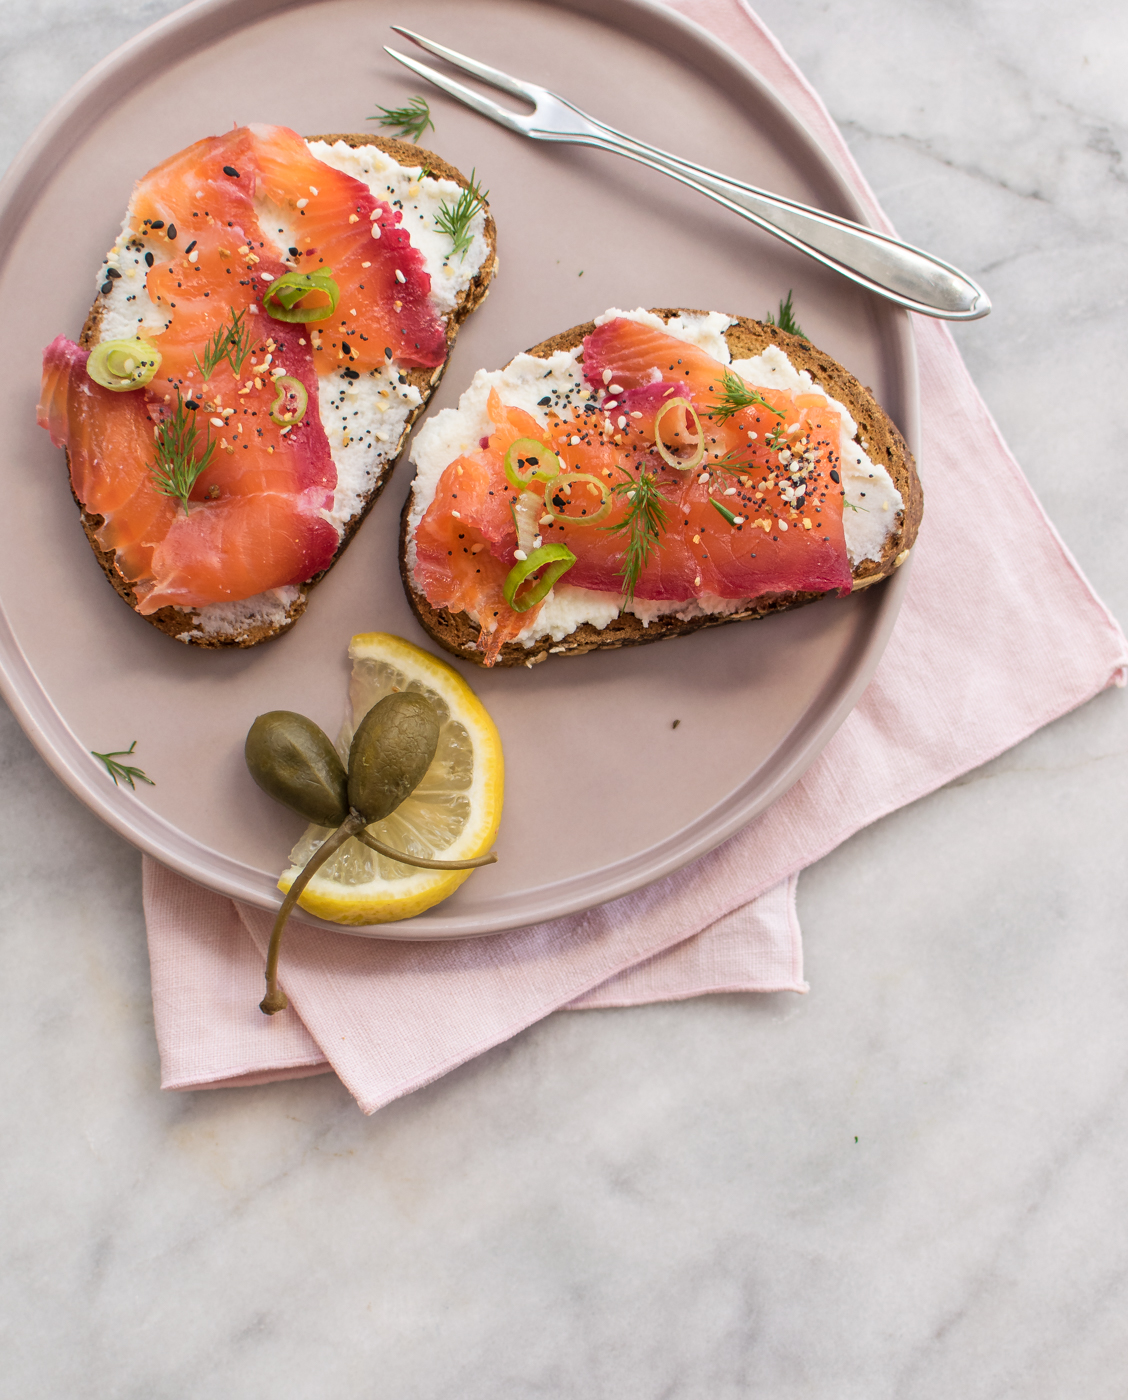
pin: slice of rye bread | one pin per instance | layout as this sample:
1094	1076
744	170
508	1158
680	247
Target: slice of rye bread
458	633
179	623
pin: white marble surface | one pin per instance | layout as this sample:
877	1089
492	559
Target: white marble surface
911	1183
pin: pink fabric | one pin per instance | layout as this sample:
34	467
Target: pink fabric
981	657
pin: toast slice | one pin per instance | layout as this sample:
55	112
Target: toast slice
458	633
254	620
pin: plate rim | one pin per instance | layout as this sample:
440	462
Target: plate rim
98	91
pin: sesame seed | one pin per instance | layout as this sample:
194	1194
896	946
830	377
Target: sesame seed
217	422
636	414
621	421
615	388
783	524
313	189
738	520
703	477
266	276
399	278
375	230
607	376
230	170
367	264
520	554
697	581
730	491
574	441
456	515
302	203
194	256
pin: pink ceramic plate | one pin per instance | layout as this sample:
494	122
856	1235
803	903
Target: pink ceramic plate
603	794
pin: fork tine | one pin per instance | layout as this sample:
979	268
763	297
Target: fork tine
463	94
494	76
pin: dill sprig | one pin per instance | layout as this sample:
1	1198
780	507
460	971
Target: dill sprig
787	321
454	219
738	395
178	468
412	120
231	343
644	524
123	772
239	342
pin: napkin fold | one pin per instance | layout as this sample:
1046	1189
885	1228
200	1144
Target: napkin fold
981	657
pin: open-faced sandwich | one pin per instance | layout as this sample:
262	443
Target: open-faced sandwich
645	475
269	322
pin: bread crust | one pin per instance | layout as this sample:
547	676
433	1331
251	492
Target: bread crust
181	623
458	633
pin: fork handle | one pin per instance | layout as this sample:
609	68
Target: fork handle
894	270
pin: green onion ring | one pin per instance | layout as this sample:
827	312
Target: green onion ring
123	364
663	451
301	397
559	559
281	298
570	479
530	450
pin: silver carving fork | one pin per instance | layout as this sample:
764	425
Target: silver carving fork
894	270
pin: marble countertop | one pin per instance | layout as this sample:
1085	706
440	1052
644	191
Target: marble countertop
911	1183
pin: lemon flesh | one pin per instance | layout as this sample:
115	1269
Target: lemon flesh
452	815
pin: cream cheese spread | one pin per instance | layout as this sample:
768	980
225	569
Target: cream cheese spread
870	493
364	419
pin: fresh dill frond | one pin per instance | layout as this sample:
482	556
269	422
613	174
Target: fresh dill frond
411	120
644	524
214	352
775	438
454	219
787	321
178	468
239	342
123	772
738	395
851	506
230	342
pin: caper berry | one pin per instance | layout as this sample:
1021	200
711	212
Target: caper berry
391	751
292	759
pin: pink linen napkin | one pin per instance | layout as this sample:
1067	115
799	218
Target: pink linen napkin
979	660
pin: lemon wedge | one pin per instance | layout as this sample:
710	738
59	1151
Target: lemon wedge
452	815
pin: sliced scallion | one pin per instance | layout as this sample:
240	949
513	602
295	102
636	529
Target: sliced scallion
290	405
573	479
663	451
724	510
541	462
281	298
554	559
123	364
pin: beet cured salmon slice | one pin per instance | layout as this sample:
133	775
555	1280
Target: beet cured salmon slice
240	198
254	520
701	485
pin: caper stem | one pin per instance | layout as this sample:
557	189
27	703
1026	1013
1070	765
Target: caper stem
402	856
276	999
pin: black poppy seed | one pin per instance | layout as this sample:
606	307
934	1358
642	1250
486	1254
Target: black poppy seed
230	170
